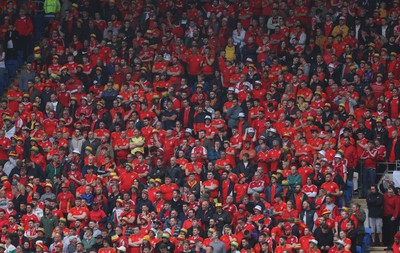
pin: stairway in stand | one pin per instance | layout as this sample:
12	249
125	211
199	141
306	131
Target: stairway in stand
363	204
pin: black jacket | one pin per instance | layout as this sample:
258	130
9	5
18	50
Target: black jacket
190	117
247	170
230	187
194	189
390	106
375	205
177	205
15	239
11	53
170	246
222	219
396	149
292	197
309	214
205	215
318	179
367	133
176	174
143	202
112	199
323	239
381	134
339	181
157	172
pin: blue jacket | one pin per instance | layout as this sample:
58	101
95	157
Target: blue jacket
268	192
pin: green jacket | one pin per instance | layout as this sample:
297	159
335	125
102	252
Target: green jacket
51	171
48	223
87	244
361	219
293	180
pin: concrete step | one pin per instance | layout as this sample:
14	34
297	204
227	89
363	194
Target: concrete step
378	248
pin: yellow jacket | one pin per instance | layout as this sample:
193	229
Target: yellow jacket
343	30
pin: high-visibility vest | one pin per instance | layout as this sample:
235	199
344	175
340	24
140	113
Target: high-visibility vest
51	6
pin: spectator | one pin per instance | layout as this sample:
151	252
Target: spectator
391	207
151	123
375	213
396	243
369	170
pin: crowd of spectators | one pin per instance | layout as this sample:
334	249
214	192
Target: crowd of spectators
160	126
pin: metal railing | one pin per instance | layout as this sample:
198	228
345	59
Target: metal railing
385	175
392	166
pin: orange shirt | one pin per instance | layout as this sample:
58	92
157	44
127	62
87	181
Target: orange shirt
213	193
194	62
109	250
304	173
5	144
77	211
231	158
208	69
134	238
27	217
167	190
240	190
275	154
305	241
262	159
281	249
279	208
13	105
330	187
127	183
65	200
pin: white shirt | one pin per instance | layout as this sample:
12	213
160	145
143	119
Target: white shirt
54	104
357	30
383	30
238	37
10	248
38	212
9	165
2	62
10	133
